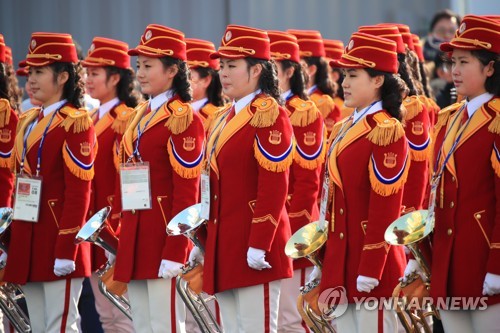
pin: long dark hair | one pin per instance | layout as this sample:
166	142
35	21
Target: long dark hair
492	84
340	90
426	84
268	80
321	78
404	71
391	92
13	91
125	87
297	81
181	84
214	90
73	88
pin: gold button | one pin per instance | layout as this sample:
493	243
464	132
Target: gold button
159	199
133	211
341	235
453	179
452	204
215	196
289	197
253	204
364	226
90	213
111	199
478	216
179	109
450	232
303	105
341	211
215	221
263	104
52	203
386	121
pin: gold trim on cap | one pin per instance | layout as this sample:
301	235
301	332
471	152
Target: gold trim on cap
193	63
280	56
360	61
474	42
44	56
152	50
237	49
100	61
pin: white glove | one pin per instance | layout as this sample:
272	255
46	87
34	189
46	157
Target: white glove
64	267
110	256
256	259
365	283
3	258
169	269
491	285
196	256
315	274
412	266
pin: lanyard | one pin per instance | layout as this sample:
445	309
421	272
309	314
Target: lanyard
42	140
140	132
218	135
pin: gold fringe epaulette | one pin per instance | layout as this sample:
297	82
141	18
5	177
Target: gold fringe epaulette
273	166
211	111
266	112
325	103
312	164
123	114
305	112
384	189
181	117
78	118
495	163
445	114
413	106
4	112
494	126
74	168
387	131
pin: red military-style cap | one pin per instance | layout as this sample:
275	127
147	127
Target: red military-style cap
243	42
160	41
386	31
107	52
8	55
417	44
333	48
405	32
2	49
369	51
284	46
23	71
310	42
49	47
198	53
475	33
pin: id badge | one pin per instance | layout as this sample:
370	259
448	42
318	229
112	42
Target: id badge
205	195
135	186
27	203
429	221
325	193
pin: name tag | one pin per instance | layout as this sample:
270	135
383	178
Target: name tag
205	195
325	192
27	203
135	186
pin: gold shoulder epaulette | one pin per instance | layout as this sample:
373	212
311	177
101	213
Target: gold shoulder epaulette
445	114
325	103
4	112
494	104
181	116
79	118
387	131
413	106
123	114
266	112
305	112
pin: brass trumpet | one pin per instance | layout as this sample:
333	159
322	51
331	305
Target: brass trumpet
305	243
10	293
186	223
96	231
410	230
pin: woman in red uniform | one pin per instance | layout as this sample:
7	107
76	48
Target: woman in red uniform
466	242
54	155
367	166
309	155
250	152
160	160
111	81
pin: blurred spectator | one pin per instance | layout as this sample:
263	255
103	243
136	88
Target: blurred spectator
442	84
442	29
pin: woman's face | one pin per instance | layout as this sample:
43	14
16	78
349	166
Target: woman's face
45	88
445	28
199	85
237	79
99	86
153	77
469	74
360	90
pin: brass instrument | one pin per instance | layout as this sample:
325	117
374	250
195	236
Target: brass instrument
305	243
409	230
186	223
10	293
96	231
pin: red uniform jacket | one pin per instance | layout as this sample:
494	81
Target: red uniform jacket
207	114
368	168
8	124
308	158
418	133
173	145
67	170
466	243
329	110
248	188
109	131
